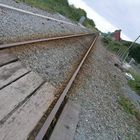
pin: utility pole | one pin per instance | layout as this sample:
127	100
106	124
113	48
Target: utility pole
125	55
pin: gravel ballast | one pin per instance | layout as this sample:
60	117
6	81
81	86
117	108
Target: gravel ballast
18	26
97	90
55	61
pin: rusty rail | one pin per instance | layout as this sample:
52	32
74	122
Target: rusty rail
51	116
4	46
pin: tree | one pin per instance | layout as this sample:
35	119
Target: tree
135	52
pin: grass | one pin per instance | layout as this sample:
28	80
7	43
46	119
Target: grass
135	84
128	107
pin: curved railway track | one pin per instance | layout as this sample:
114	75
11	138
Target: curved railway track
40	132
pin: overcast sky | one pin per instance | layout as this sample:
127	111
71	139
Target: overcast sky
110	15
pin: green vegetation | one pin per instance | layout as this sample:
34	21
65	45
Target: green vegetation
89	23
114	46
129	107
135	84
135	52
62	7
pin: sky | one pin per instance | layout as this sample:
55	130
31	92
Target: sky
110	15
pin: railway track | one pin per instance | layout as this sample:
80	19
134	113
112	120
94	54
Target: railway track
14	84
35	14
41	25
4	46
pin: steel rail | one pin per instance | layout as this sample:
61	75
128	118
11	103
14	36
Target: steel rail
51	116
4	46
35	14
